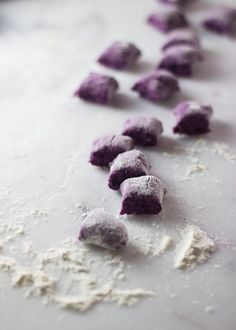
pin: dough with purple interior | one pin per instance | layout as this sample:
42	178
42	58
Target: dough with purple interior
192	118
181	37
120	56
221	20
142	195
97	88
167	20
106	148
157	87
145	131
180	60
127	165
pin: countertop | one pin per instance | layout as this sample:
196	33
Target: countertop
47	48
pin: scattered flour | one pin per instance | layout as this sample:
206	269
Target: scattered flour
195	169
152	245
9	232
165	244
223	150
47	273
195	248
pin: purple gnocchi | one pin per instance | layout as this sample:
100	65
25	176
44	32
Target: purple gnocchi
106	148
181	37
180	60
142	195
168	20
175	2
102	229
145	131
222	21
120	56
127	165
98	88
157	87
192	118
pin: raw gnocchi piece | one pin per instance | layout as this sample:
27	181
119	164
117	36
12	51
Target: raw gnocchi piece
106	148
158	86
221	20
181	37
142	195
192	118
180	60
127	165
145	131
168	20
120	56
98	88
102	229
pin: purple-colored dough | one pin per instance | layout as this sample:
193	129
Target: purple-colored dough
145	131
127	165
157	86
98	88
106	148
168	20
180	60
142	195
176	2
120	56
102	229
181	37
222	21
192	118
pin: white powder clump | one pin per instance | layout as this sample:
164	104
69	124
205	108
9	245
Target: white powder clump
195	248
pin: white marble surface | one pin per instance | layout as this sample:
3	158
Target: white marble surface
46	48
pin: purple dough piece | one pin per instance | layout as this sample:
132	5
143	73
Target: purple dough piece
145	131
181	37
120	56
168	20
222	21
175	2
180	60
102	229
106	148
127	165
192	118
97	88
158	86
142	195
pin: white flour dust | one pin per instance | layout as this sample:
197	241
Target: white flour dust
195	248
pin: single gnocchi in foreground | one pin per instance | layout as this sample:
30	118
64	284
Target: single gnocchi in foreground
102	229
